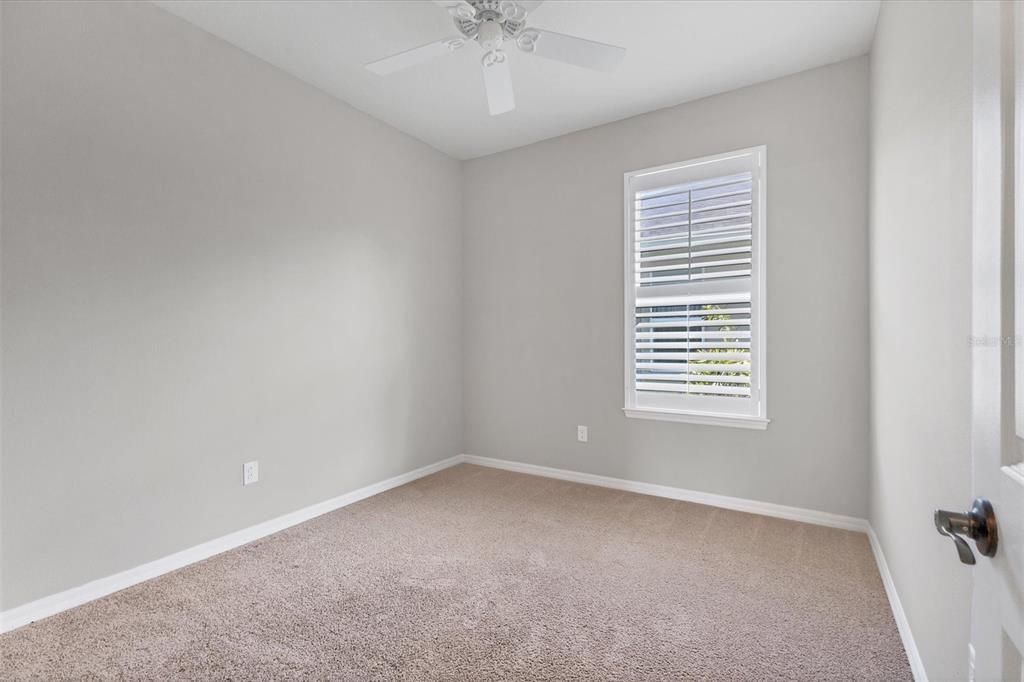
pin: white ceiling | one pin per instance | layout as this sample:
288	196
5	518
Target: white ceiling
677	51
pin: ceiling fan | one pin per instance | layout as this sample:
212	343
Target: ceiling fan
492	23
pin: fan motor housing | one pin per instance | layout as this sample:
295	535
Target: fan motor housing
496	11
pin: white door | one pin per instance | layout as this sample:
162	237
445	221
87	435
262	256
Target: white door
997	443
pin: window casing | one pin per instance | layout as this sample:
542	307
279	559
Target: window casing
695	327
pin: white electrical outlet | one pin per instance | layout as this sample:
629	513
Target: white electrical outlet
581	434
250	473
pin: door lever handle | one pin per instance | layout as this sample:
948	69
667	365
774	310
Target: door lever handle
962	548
979	524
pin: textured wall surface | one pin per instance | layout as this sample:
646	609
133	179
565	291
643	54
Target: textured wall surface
921	313
544	297
205	262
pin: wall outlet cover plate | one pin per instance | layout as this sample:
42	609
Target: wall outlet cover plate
250	473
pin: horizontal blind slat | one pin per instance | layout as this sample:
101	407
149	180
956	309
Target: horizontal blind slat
737	368
698	264
692	389
708	252
694	335
685	378
688	277
717	357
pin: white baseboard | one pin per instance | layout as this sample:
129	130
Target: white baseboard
76	596
913	655
819	518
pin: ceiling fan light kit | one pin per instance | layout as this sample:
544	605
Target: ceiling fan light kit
492	23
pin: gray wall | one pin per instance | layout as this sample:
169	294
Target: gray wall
205	262
543	233
921	313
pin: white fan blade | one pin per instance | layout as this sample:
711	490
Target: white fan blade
416	55
457	8
529	5
498	83
570	49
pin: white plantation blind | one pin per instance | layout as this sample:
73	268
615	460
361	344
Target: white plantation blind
694	348
699	231
693	291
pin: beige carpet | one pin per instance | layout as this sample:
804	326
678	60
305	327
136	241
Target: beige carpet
479	574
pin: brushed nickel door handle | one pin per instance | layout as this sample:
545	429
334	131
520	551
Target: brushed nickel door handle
978	524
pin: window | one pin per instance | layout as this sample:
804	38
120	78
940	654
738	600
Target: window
695	291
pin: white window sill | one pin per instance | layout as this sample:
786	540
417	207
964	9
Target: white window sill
707	418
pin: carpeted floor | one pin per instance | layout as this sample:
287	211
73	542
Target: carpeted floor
480	574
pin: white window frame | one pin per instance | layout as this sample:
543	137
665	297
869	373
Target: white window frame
703	410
